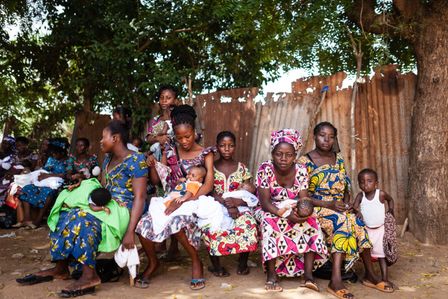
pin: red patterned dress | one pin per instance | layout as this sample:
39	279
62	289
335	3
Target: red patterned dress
243	236
283	240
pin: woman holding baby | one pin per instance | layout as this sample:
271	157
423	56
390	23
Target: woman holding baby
292	241
238	231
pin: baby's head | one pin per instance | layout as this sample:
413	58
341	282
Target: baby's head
248	187
100	197
368	180
304	208
137	142
197	174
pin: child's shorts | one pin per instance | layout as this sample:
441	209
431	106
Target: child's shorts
376	236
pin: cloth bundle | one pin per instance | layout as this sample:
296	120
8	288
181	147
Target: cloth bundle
128	257
32	179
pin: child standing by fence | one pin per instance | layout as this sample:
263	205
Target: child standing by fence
370	207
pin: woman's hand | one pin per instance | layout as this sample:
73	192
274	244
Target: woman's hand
128	240
151	161
43	176
338	206
232	202
233	212
172	207
77	176
162	139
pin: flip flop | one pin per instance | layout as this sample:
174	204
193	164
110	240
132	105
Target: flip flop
341	294
381	286
76	293
310	284
222	272
272	286
141	283
245	271
18	225
31	279
197	284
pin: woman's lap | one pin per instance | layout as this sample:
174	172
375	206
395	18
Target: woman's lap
176	224
36	196
242	238
288	242
77	235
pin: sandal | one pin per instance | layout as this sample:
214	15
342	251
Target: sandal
76	293
310	284
381	286
222	272
341	294
31	279
273	286
141	283
244	271
18	225
197	284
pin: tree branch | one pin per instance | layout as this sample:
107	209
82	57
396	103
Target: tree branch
363	14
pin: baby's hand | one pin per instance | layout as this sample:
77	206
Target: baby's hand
151	161
107	210
179	200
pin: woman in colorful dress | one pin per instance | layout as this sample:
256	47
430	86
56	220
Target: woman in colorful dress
42	197
230	175
78	234
330	190
185	154
291	246
25	156
82	163
8	156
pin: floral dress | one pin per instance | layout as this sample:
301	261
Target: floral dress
36	196
285	241
76	166
78	233
188	223
243	236
345	233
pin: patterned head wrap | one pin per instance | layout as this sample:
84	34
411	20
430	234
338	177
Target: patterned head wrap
289	136
60	143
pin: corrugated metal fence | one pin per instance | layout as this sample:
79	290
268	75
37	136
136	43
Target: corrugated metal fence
382	122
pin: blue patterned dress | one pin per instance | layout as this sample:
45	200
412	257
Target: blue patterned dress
36	196
78	233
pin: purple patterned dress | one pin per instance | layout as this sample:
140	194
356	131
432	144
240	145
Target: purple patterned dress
179	168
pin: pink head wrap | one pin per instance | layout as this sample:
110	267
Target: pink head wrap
289	136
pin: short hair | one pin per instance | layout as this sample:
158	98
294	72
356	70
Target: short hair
116	127
83	140
202	169
166	87
367	171
183	115
322	125
22	139
224	134
305	208
100	196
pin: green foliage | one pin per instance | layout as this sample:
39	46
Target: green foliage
99	54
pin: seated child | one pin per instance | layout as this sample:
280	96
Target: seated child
370	207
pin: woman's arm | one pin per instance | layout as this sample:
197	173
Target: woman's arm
265	200
139	189
207	187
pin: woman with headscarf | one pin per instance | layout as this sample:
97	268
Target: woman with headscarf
330	190
291	246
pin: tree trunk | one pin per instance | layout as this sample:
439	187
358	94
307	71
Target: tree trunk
428	172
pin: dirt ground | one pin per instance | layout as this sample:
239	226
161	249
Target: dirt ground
421	272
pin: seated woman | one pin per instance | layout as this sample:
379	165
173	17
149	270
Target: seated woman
82	163
8	158
43	197
185	154
77	234
230	175
291	246
330	190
